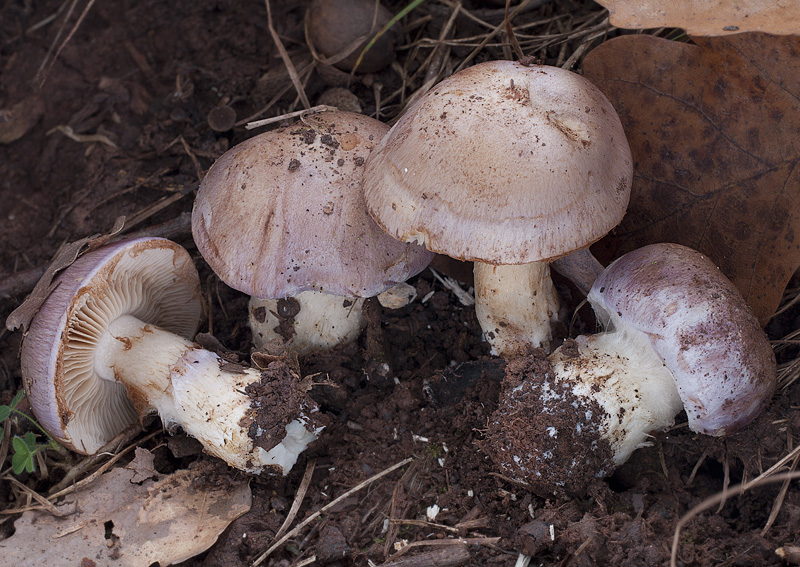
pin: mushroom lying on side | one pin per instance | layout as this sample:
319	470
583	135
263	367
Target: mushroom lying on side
679	336
281	217
112	344
509	166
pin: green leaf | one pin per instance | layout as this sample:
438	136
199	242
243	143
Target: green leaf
5	412
17	399
23	456
30	441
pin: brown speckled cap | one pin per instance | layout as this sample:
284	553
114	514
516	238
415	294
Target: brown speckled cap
503	163
701	327
283	213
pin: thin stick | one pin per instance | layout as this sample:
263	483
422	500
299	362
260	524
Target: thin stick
287	61
444	542
41	74
298	498
716	499
776	506
36	496
288	116
103	468
327	507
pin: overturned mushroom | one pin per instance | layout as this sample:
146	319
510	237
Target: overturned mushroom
281	217
679	336
509	166
112	344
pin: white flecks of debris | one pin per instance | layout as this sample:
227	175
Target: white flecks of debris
466	298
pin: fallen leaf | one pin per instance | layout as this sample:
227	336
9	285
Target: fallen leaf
16	121
713	128
65	257
122	524
142	466
707	17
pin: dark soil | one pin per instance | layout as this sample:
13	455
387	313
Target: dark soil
137	86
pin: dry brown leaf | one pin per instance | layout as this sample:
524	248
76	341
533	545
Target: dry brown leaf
714	132
115	522
707	17
16	121
65	257
142	466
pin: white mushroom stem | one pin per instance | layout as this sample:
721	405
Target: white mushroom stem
620	371
191	388
319	321
580	267
515	305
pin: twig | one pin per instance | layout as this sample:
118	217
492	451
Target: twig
287	61
776	506
454	541
423	523
107	465
289	115
83	138
298	498
35	495
491	36
447	556
41	76
327	507
716	499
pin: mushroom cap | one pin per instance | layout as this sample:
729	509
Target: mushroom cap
503	163
283	212
152	279
701	327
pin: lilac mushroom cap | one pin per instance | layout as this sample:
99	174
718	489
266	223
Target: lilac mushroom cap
283	214
152	280
112	344
679	335
509	166
701	328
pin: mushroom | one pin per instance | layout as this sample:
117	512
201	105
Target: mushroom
111	344
509	166
281	217
679	335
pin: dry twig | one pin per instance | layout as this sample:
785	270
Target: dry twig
327	507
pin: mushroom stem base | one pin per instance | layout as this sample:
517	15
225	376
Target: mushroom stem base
515	306
209	398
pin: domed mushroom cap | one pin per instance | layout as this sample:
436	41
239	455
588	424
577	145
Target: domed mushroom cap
701	327
283	212
151	279
503	163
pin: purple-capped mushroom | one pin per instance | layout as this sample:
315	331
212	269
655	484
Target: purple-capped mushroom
112	343
509	166
282	218
679	335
